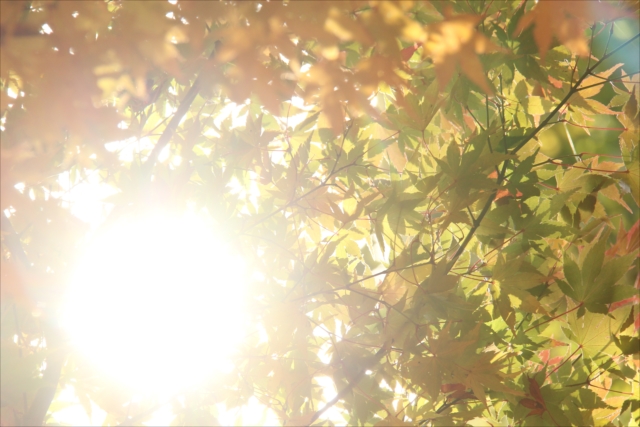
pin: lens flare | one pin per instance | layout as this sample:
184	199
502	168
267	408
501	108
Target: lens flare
158	304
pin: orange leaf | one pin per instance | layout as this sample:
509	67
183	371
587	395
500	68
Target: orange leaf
447	388
556	360
455	42
544	355
502	193
555	82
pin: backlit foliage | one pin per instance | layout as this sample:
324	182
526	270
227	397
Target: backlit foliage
440	198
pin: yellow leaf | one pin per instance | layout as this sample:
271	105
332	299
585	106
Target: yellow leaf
591	80
397	157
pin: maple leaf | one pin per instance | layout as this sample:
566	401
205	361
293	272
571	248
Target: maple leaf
455	41
592	333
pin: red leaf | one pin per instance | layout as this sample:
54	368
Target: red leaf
408	52
529	403
534	390
616	305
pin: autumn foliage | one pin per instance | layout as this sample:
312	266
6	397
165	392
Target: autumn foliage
441	198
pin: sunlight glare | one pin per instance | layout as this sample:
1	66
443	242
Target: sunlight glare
157	304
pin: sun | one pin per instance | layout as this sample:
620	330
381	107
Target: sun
157	303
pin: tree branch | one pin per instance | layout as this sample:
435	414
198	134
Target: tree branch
168	132
572	91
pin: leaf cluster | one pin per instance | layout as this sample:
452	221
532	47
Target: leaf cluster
382	166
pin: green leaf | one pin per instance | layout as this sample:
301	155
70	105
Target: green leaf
589	400
537	105
593	259
603	289
628	345
592	332
453	157
559	201
573	276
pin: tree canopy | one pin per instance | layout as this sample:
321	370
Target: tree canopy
438	200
